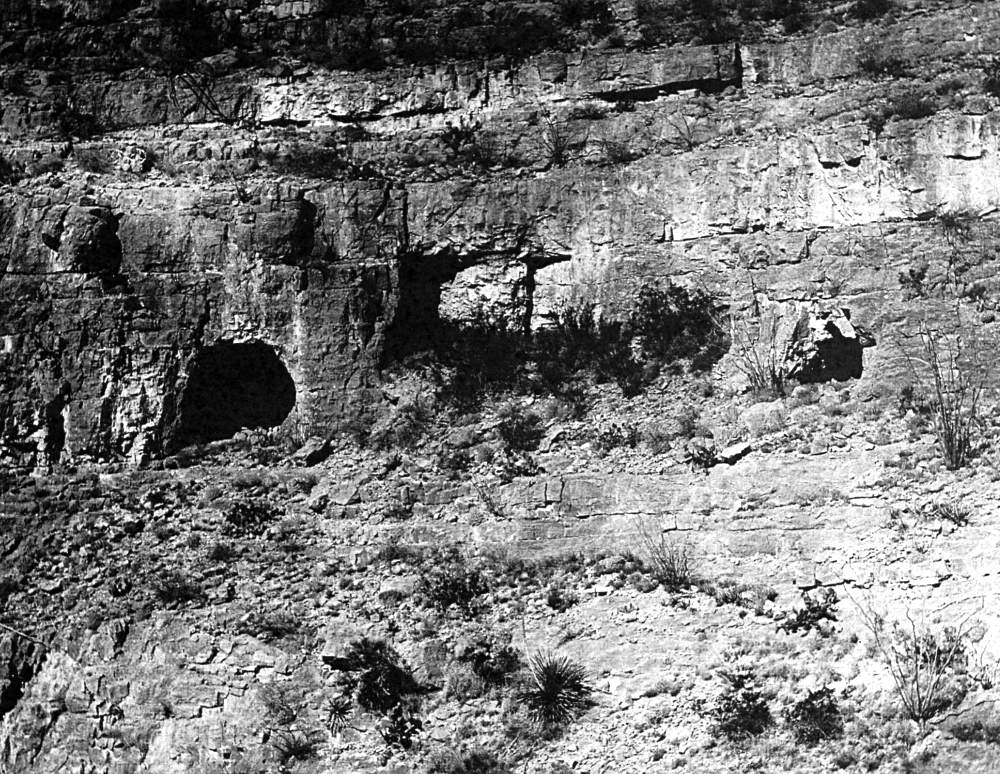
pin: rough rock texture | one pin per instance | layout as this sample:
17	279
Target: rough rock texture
143	230
243	223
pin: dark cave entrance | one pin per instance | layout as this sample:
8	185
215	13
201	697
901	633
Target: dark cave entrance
233	386
417	325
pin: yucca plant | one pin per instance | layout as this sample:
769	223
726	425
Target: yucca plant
558	689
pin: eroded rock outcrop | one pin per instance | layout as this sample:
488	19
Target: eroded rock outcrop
329	214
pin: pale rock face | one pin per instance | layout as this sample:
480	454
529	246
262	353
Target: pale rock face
337	214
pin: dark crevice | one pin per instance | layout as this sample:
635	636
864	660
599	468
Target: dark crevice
20	661
650	93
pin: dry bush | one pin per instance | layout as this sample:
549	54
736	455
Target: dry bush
953	370
762	345
673	564
929	667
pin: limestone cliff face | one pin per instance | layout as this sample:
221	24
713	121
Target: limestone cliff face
302	175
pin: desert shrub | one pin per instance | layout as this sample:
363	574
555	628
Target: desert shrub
816	608
557	691
559	141
701	454
492	660
174	587
956	225
398	726
667	323
618	152
671	563
520	430
560	600
874	60
975	729
296	746
381	682
271	625
93	160
467	761
741	710
815	717
762	347
250	517
929	667
280	703
616	436
909	105
957	368
947	510
469	142
220	551
450	580
727	591
991	77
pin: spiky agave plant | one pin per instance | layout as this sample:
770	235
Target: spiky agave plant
558	690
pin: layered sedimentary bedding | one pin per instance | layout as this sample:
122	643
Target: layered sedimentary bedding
154	209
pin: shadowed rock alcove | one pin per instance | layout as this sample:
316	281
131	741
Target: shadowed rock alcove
234	386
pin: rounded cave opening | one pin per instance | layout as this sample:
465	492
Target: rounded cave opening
232	386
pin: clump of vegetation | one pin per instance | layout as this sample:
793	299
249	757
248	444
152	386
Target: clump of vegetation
174	587
559	141
667	325
250	517
727	591
670	562
762	349
452	581
741	709
815	717
700	454
958	370
558	690
93	160
520	430
877	62
293	745
467	761
492	660
470	143
380	681
817	608
929	668
616	436
560	600
399	726
280	703
910	105
947	510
